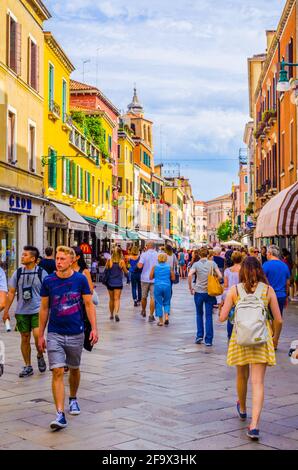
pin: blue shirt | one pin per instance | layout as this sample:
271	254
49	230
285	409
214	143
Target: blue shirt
66	303
277	273
162	275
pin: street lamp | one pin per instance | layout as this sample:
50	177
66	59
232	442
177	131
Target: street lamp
283	82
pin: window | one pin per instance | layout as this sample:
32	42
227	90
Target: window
246	198
110	143
11	136
146	159
51	86
282	151
33	64
274	92
32	147
126	185
14	44
93	190
245	179
292	143
145	133
52	169
119	151
120	184
130	188
130	156
73	179
290	55
98	192
64	100
125	151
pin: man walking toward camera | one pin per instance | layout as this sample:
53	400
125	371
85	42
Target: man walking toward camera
64	294
26	283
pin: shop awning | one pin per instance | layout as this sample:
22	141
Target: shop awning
165	237
279	217
76	221
150	236
106	229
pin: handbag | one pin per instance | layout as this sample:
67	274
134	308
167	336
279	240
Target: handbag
106	277
214	287
95	298
87	331
177	277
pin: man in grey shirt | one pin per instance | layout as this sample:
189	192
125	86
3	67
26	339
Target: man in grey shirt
201	269
26	283
147	261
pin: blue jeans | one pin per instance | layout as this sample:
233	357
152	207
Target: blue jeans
162	298
209	302
136	287
281	303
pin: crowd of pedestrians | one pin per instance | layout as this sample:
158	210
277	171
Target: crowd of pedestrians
58	293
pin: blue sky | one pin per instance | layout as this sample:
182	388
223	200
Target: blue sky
189	62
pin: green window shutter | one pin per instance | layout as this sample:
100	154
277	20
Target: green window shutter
82	184
51	85
63	100
67	186
89	186
52	172
73	175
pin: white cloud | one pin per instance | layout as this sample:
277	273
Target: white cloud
188	58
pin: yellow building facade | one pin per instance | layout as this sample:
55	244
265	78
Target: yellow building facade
75	174
21	127
125	177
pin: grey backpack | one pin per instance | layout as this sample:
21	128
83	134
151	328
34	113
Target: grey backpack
250	317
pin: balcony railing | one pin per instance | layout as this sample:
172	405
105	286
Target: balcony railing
54	110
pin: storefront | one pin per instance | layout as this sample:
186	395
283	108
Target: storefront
64	226
21	223
278	221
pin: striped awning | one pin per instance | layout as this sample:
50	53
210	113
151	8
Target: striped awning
279	217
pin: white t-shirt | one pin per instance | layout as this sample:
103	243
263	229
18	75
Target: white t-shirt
148	260
3	282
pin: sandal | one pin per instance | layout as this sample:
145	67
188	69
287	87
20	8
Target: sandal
160	323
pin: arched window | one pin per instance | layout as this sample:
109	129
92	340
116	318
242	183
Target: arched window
145	133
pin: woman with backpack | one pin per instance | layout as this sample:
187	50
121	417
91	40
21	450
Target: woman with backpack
135	276
252	298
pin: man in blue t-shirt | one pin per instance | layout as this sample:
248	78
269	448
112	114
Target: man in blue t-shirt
65	295
278	275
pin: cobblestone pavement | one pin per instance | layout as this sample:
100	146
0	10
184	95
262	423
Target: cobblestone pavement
150	387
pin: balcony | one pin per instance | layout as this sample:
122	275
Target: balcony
67	122
54	111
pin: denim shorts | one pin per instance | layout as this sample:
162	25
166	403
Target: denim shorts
64	350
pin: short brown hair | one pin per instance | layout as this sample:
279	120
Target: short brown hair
236	257
204	252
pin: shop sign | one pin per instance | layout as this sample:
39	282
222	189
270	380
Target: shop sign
20	204
86	249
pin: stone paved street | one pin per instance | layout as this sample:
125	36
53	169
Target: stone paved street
146	387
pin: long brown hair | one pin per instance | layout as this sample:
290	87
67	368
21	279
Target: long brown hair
251	273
